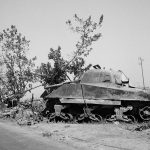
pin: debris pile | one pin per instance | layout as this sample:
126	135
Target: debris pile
143	126
24	113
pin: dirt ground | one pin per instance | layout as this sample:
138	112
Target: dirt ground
114	136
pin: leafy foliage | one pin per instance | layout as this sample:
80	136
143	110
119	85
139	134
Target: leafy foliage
57	73
87	30
18	67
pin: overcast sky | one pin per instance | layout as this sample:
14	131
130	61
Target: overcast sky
125	30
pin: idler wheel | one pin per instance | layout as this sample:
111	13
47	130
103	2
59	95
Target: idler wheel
145	113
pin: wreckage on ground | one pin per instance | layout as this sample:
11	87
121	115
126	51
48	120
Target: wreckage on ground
98	95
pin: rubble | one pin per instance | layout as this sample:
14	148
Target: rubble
143	126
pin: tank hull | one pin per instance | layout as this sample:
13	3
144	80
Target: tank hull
100	94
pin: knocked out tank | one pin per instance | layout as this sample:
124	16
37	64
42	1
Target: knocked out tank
99	95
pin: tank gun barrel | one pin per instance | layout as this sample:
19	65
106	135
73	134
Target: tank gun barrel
20	95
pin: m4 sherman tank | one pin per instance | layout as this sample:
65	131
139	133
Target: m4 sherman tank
99	95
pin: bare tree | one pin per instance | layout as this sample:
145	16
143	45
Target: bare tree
88	31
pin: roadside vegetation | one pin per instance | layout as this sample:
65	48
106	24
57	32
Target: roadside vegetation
18	72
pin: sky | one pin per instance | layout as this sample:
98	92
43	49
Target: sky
125	31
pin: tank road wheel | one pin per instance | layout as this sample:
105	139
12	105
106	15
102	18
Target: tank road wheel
124	118
51	117
69	116
145	113
131	119
111	118
119	115
95	118
79	118
87	116
62	117
59	116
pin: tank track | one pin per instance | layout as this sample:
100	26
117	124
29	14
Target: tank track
127	114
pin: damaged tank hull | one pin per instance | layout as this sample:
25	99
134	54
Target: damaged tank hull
99	95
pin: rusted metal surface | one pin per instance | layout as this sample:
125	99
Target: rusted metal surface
81	101
104	91
96	92
95	76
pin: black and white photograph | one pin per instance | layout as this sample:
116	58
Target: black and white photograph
74	75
